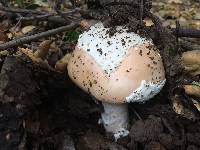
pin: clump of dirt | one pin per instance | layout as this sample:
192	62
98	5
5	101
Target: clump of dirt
131	14
18	95
122	11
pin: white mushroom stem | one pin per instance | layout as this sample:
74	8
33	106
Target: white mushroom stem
115	119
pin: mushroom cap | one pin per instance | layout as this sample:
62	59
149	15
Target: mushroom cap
120	68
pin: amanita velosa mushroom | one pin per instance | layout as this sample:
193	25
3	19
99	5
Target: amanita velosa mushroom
116	69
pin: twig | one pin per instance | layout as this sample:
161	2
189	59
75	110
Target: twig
141	11
68	16
194	41
27	39
73	11
176	35
27	11
136	113
188	45
62	15
39	17
168	126
57	8
51	18
57	20
125	2
193	33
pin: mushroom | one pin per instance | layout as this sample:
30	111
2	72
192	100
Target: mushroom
116	69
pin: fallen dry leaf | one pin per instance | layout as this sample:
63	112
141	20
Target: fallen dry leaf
196	104
4	53
192	90
191	61
27	29
61	65
179	108
43	49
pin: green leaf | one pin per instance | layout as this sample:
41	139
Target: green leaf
32	6
20	3
196	83
42	3
72	36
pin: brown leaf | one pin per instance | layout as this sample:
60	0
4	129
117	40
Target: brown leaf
191	61
61	65
3	37
192	90
180	109
27	29
43	49
35	59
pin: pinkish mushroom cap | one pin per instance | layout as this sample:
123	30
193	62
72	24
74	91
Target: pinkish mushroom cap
121	68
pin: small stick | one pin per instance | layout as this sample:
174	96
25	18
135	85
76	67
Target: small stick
193	33
68	16
136	113
39	17
188	45
176	34
141	11
168	126
27	39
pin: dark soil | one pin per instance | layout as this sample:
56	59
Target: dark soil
44	110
